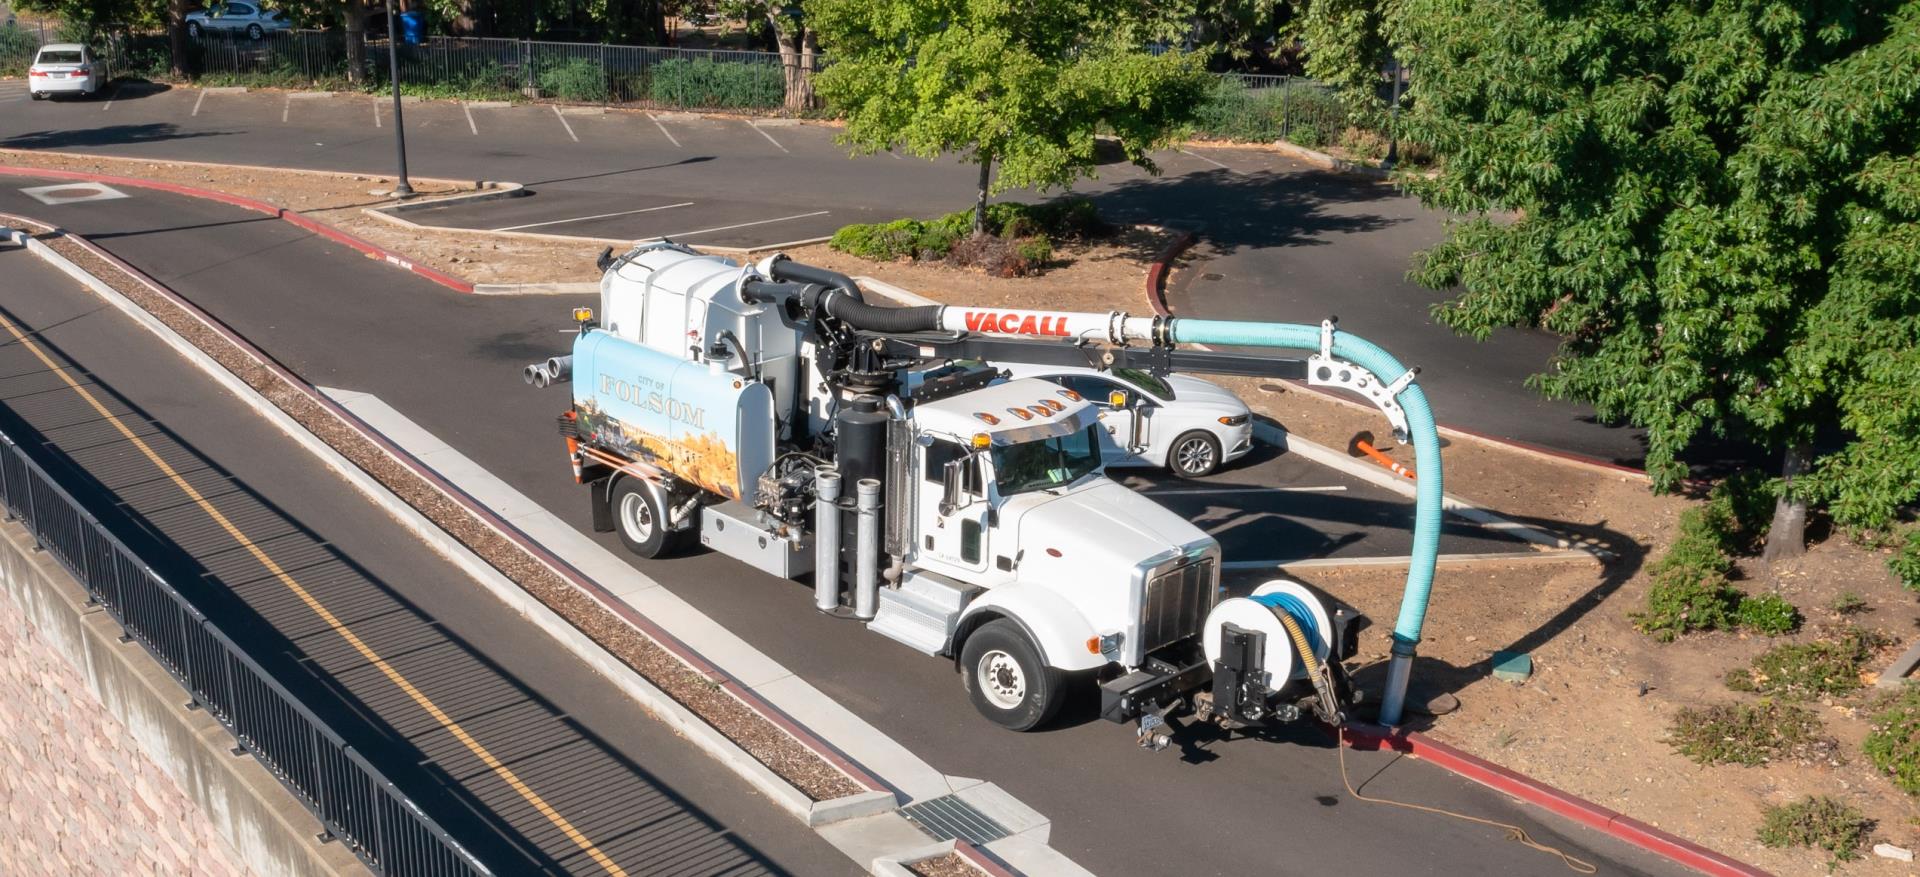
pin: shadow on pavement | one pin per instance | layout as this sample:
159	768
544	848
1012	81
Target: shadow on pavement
1236	210
110	135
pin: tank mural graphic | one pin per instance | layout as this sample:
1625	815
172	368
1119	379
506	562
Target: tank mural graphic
707	427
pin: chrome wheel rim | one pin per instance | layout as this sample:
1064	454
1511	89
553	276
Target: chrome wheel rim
1001	680
1194	455
637	517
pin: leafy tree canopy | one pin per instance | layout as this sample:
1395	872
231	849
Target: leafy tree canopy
1025	84
1717	204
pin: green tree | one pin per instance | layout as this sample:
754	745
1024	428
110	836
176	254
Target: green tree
1021	85
793	36
1715	202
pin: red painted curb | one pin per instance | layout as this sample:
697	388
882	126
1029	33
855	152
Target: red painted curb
668	641
981	859
1554	800
1161	267
281	213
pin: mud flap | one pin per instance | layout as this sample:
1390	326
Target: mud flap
602	504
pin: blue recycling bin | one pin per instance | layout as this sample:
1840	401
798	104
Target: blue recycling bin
413	27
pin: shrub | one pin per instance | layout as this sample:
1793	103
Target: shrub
1894	743
17	48
577	79
1232	111
1817	822
998	256
1768	614
704	83
1749	734
1801	671
1690	590
1848	603
1036	251
1905	562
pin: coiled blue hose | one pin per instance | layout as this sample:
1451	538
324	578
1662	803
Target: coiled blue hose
1426	448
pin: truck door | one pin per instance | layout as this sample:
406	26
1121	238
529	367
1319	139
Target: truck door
958	538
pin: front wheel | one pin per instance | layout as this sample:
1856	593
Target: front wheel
1195	454
254	32
1006	679
642	522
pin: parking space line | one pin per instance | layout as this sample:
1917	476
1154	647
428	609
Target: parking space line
563	122
683	234
286	108
663	130
376	112
1210	161
111	98
763	133
196	102
597	216
468	109
1198	491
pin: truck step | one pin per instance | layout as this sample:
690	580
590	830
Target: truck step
921	612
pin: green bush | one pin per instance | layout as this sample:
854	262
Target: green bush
1817	822
1905	562
1749	734
1232	111
703	83
1768	614
1848	603
1894	743
578	79
1025	236
1803	671
1690	590
1036	251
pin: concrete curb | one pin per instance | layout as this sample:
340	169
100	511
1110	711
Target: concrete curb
264	824
583	287
95	156
320	228
1327	162
1557	801
489	191
1162	269
386	214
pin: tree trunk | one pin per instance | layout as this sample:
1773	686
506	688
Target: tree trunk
797	51
356	20
980	203
1787	536
177	37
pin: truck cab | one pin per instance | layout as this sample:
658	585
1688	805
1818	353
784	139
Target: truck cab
1019	534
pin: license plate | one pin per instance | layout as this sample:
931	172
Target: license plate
59	75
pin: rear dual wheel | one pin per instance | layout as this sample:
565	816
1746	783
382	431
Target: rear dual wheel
641	521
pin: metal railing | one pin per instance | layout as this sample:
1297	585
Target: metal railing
19	41
350	797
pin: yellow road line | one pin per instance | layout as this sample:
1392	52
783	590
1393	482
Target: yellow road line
479	751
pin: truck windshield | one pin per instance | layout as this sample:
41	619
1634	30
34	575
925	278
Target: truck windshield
1031	466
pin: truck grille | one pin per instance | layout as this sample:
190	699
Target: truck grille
1176	603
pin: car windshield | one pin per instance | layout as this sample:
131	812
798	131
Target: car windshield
59	57
1145	382
1031	466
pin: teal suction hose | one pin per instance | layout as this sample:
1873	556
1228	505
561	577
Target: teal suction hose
1426	447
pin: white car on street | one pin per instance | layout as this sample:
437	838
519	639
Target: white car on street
1182	423
66	68
235	16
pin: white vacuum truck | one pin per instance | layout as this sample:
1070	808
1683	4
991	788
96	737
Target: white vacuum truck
771	413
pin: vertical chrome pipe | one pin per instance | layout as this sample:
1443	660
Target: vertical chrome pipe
866	575
826	539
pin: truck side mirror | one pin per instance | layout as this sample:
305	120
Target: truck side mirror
1117	398
953	490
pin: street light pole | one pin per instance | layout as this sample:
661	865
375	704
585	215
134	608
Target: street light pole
404	189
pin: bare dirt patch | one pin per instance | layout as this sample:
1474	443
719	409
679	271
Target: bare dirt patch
949	865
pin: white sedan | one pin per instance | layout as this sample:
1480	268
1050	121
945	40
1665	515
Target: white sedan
1184	424
235	17
66	68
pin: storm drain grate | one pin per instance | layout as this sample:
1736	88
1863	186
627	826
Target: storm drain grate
948	818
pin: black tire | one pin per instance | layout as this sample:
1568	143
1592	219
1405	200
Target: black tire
193	29
39	95
254	32
1194	454
641	522
1006	680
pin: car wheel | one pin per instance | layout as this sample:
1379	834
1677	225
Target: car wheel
642	522
1006	680
193	29
1195	454
39	95
254	32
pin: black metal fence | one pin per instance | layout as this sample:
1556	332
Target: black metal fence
350	797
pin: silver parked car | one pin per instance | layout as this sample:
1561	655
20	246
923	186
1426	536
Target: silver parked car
232	17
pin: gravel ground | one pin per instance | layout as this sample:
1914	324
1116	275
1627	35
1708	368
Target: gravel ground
766	742
949	865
